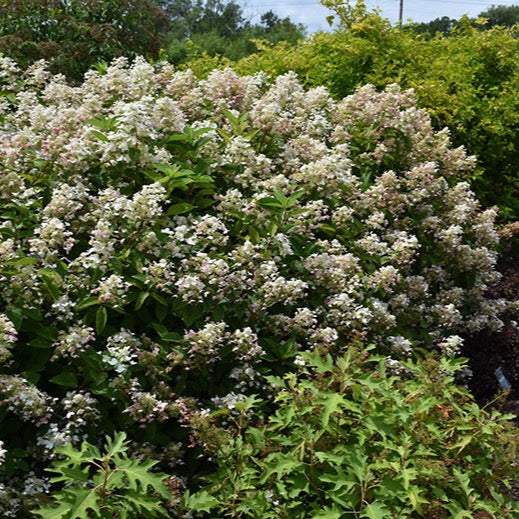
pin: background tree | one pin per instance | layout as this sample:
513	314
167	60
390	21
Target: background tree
74	34
220	28
503	15
443	25
497	15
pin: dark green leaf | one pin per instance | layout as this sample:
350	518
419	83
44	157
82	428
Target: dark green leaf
85	303
140	300
101	318
40	342
67	379
180	208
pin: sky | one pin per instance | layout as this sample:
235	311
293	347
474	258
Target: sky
313	15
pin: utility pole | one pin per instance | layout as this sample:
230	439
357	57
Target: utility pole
401	14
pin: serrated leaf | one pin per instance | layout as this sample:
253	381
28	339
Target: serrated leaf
140	479
275	381
169	171
416	500
376	511
280	464
465	440
149	506
85	500
117	445
71	474
332	405
201	502
86	453
50	512
298	484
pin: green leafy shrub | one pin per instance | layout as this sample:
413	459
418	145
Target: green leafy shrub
74	35
108	484
166	242
351	438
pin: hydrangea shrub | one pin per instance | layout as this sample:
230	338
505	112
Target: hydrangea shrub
165	242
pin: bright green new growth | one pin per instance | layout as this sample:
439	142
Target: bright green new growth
349	439
105	485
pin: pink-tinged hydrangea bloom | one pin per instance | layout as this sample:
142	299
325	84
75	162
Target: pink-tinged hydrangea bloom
221	225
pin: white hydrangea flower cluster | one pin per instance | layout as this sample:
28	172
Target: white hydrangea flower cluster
148	408
53	437
25	399
121	351
8	336
220	224
81	410
111	290
73	342
451	345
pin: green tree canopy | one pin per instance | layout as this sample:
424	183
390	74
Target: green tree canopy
73	34
497	15
502	15
216	27
443	25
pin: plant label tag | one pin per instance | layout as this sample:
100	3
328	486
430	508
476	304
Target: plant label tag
503	381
